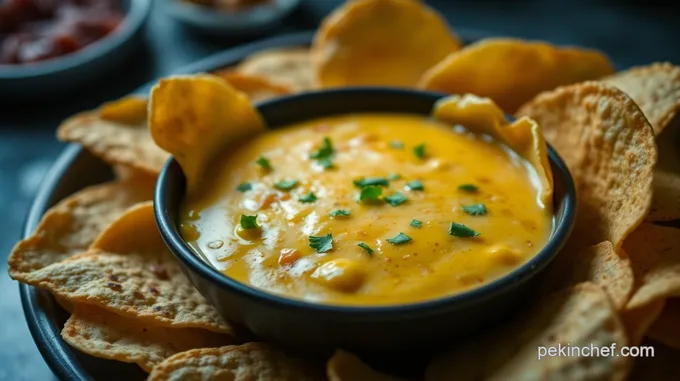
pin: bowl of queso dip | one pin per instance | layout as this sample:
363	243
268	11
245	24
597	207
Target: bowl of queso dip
370	219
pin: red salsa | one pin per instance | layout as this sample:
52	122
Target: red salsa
37	30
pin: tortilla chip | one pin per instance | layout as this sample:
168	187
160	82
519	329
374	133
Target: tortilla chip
257	88
523	135
69	227
194	117
247	362
666	329
666	200
638	320
599	264
107	335
580	317
512	71
655	254
344	366
128	270
655	88
608	145
289	67
663	366
380	42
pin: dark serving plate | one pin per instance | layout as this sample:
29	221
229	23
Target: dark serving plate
75	169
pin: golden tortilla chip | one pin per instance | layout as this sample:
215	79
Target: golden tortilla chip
289	67
638	320
666	328
608	145
118	134
512	71
655	254
523	136
666	200
663	366
655	88
247	362
344	366
194	117
582	316
257	88
107	335
380	42
69	227
128	270
599	264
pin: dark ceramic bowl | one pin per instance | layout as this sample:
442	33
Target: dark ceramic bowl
382	328
64	73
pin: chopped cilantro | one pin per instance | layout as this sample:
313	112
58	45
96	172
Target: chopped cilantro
475	209
419	151
394	176
399	239
371	181
396	199
324	155
414	185
244	187
308	198
249	222
396	144
364	246
326	163
416	223
263	162
370	193
460	230
470	188
340	212
321	243
286	184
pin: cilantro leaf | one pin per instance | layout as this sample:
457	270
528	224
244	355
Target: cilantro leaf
396	144
394	176
419	151
474	209
399	239
324	155
415	185
264	163
308	198
321	243
340	212
371	181
370	193
286	184
249	222
460	230
416	223
244	187
326	163
470	188
364	246
396	199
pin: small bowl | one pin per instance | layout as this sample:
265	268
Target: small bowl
410	327
66	72
256	20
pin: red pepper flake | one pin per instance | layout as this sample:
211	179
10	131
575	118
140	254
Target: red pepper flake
160	272
138	295
115	286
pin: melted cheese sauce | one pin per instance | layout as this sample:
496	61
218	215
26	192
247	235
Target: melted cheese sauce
277	258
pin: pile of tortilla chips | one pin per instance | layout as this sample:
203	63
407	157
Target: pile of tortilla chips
616	283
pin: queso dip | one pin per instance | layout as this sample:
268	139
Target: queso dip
367	209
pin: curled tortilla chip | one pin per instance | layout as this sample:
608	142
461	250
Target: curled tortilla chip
289	67
655	253
257	88
666	200
665	328
581	316
380	42
664	365
344	366
247	362
69	227
512	71
655	88
129	271
638	320
609	147
117	133
600	264
522	136
110	336
193	117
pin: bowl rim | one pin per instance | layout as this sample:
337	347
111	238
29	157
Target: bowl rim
133	20
212	19
182	251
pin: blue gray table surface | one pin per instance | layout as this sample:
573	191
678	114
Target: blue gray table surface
631	32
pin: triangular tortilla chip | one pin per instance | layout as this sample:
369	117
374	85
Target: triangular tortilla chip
666	200
289	67
344	366
257	88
